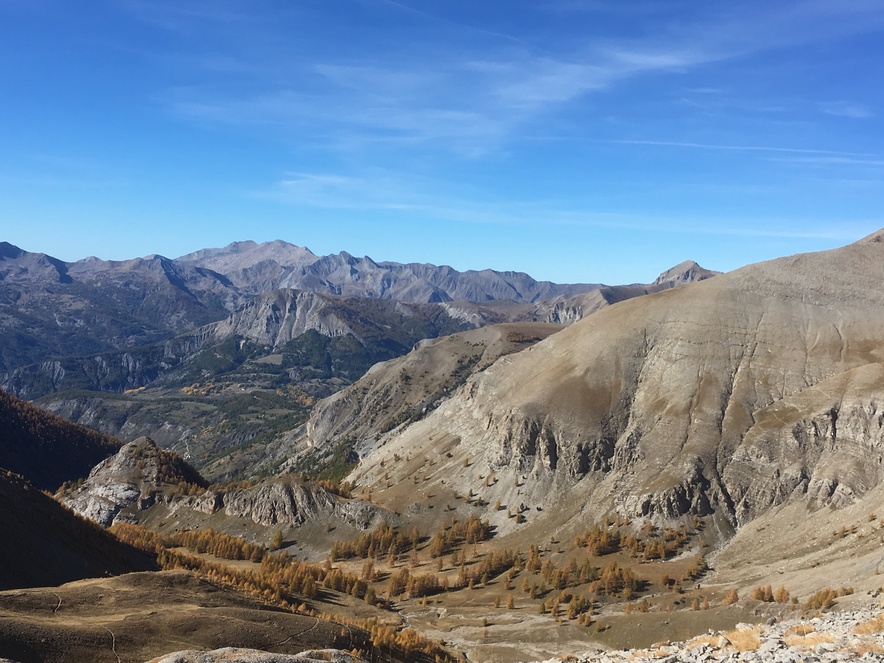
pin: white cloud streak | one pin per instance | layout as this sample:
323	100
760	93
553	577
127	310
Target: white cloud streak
845	156
475	94
390	192
846	109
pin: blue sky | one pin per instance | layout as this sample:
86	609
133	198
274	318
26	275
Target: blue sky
577	140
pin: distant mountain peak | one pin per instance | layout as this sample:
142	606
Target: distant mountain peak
8	250
246	254
685	272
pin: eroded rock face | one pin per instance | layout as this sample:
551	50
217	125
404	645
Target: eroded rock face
405	389
290	503
142	475
729	395
130	479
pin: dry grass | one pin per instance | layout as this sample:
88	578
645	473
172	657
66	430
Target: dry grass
809	640
744	640
799	629
875	625
867	648
705	641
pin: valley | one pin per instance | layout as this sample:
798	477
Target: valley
378	466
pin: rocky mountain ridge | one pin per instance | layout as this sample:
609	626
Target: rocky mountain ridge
279	265
51	309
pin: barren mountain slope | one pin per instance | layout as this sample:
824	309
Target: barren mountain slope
406	388
656	406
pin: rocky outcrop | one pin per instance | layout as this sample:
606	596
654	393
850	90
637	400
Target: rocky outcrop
289	502
281	316
825	442
235	655
140	476
131	480
684	272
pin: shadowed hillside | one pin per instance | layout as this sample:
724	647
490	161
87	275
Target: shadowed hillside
46	544
47	449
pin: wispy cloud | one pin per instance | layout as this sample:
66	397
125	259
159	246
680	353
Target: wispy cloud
833	154
846	109
335	191
466	89
395	193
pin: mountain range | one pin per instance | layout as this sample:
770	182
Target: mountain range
114	344
51	308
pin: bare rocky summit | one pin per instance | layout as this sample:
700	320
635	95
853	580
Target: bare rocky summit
684	272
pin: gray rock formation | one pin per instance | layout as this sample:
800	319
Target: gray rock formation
831	638
683	273
288	502
141	476
283	315
129	481
236	655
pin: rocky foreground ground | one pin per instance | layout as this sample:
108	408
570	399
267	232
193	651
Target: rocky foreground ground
235	655
829	638
841	636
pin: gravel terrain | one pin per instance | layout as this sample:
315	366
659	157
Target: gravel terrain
835	637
